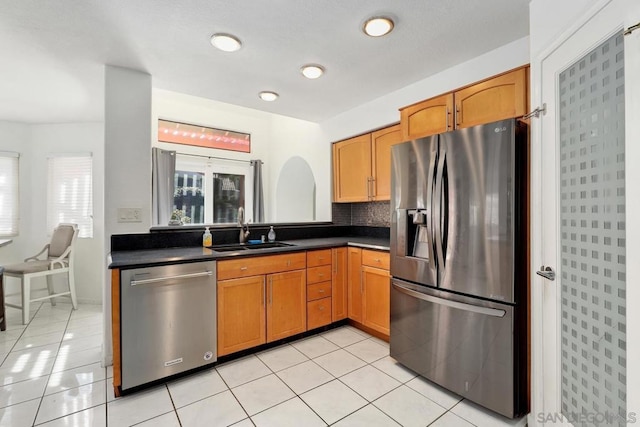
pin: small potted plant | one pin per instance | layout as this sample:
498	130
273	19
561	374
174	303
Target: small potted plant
178	218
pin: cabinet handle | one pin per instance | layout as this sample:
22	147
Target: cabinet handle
335	261
456	118
361	282
321	291
321	307
270	290
373	188
320	258
288	262
243	268
320	274
368	188
446	114
264	290
376	259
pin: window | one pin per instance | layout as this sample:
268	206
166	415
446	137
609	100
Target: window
210	192
9	202
70	192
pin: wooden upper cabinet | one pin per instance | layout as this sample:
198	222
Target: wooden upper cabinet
381	143
339	284
352	169
286	304
241	314
498	98
428	117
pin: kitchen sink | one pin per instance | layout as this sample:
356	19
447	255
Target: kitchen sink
243	246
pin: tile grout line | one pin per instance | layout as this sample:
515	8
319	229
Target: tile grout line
54	363
175	410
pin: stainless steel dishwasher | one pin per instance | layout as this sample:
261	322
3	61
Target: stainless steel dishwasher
168	320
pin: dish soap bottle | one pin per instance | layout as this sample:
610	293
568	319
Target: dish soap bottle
272	234
207	238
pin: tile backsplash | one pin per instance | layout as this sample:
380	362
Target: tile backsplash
369	213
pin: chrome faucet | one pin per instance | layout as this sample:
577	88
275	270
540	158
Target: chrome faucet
244	226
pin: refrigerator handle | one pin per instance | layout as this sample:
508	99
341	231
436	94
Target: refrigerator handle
453	304
438	210
430	222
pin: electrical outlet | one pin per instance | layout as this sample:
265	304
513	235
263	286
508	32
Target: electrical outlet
129	214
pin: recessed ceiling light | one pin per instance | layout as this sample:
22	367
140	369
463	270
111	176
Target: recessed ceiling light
226	42
378	26
312	71
268	96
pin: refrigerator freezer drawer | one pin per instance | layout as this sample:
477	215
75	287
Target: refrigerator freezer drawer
463	344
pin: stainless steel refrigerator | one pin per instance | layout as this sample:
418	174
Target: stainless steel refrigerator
459	304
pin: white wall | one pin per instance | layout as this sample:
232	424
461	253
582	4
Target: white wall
384	110
295	198
127	165
35	143
70	138
293	137
274	139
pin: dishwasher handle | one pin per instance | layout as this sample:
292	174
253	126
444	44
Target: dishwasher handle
179	276
453	304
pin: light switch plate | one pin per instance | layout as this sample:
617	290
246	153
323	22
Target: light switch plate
129	214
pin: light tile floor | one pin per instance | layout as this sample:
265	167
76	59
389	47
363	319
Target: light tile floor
51	375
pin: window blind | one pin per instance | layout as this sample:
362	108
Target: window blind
70	192
9	190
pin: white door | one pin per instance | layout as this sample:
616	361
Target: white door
584	174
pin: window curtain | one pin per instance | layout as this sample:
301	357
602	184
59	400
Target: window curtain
163	184
258	197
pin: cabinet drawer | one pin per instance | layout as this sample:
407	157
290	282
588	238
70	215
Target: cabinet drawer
318	313
253	266
318	274
316	258
375	259
318	290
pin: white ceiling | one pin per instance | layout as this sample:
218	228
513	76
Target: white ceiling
52	53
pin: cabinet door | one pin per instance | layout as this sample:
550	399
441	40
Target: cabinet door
352	169
381	143
501	97
241	314
427	117
375	301
286	304
339	284
354	262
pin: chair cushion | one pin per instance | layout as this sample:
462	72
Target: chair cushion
29	267
60	241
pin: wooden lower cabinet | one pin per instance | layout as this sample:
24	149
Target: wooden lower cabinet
369	288
339	284
354	263
241	314
375	299
286	304
259	309
318	313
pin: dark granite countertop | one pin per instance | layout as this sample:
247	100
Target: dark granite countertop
149	257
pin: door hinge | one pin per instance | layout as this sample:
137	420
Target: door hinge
536	113
631	29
